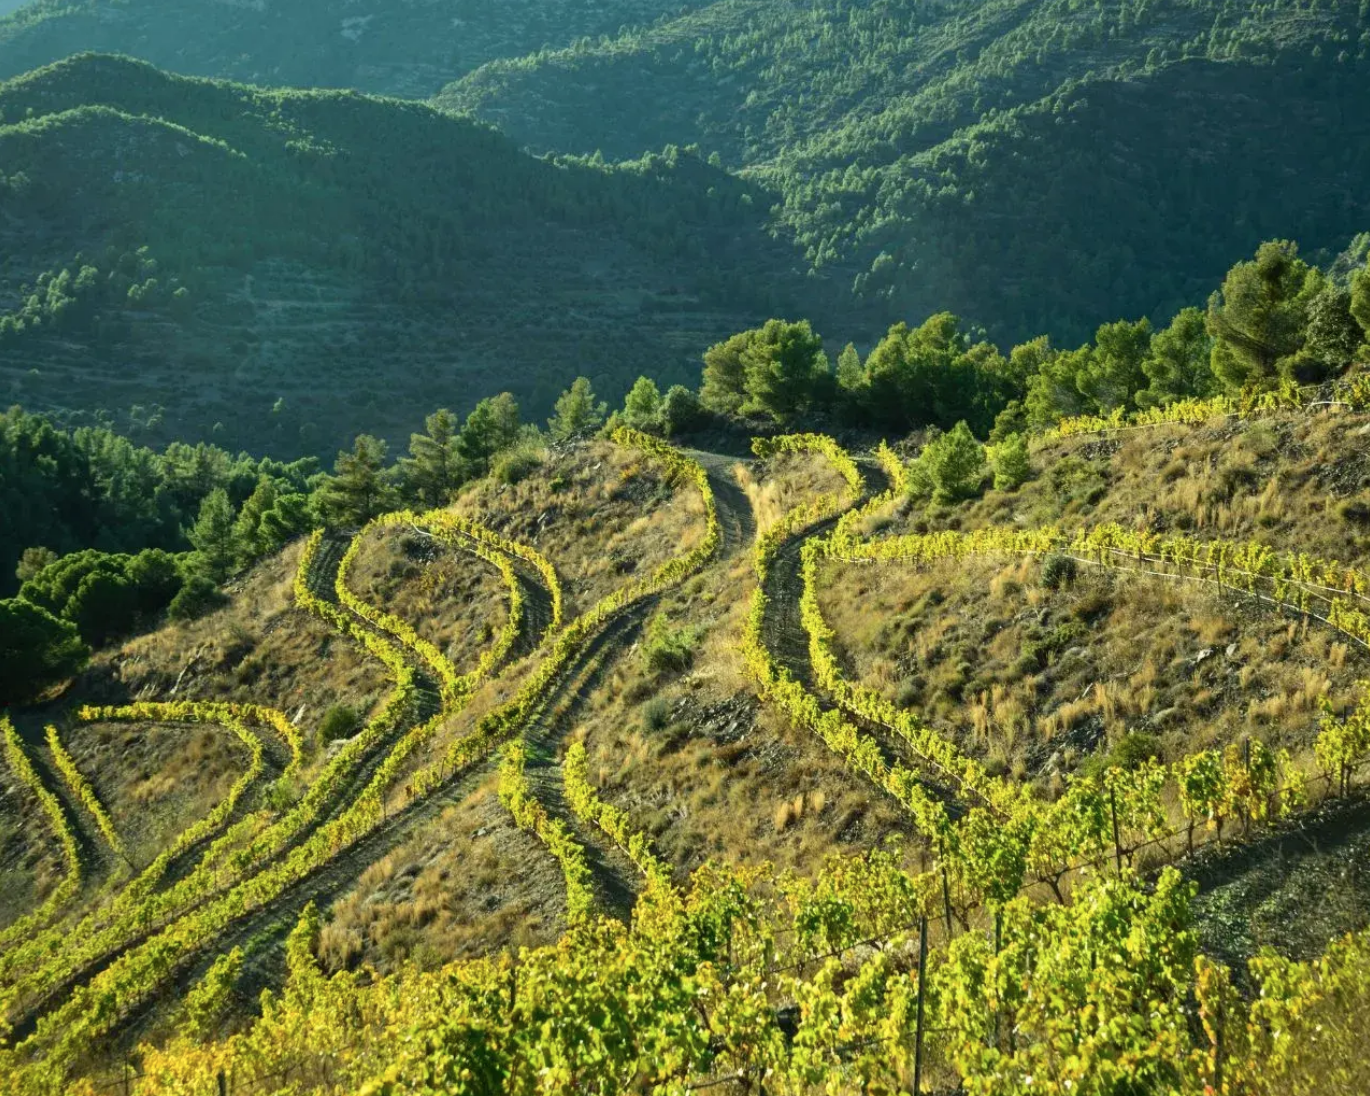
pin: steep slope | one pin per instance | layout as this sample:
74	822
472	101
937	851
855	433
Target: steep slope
214	249
904	134
396	48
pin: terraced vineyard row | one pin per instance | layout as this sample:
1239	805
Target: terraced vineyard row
741	979
129	947
1008	840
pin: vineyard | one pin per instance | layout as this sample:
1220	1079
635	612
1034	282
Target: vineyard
941	924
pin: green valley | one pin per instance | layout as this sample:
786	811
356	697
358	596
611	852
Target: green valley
283	269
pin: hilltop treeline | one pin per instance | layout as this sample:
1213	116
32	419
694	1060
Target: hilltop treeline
1276	320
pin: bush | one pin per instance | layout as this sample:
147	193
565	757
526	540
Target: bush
339	722
667	648
1131	751
1058	571
1355	512
515	465
656	714
197	597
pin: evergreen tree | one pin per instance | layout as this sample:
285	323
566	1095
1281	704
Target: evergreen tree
724	387
1012	463
36	651
932	374
783	363
287	519
1054	393
1179	365
954	464
642	407
33	561
1360	300
433	470
247	530
214	538
1027	359
491	427
851	376
577	412
680	411
1333	336
1112	375
357	491
1259	317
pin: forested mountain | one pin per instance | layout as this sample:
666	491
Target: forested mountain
1032	164
408	49
283	268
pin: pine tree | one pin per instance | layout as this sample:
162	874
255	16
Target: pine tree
214	537
723	387
851	377
433	470
642	407
1179	365
577	413
36	651
492	426
357	491
1112	374
1012	463
1360	300
954	463
247	531
289	518
1333	336
1259	318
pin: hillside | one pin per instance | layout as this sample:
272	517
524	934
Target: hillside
1031	165
407	49
216	250
572	730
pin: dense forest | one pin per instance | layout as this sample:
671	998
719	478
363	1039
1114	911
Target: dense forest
1033	166
400	49
691	170
473	268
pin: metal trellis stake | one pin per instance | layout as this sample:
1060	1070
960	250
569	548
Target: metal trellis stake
922	986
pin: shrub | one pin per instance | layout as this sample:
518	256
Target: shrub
656	714
668	648
196	598
1058	571
1131	751
339	722
1355	511
515	465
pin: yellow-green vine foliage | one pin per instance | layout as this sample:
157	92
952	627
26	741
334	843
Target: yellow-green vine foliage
85	794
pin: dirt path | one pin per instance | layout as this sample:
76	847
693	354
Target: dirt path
736	522
1294	890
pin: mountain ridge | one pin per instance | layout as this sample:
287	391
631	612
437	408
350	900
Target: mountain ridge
322	259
